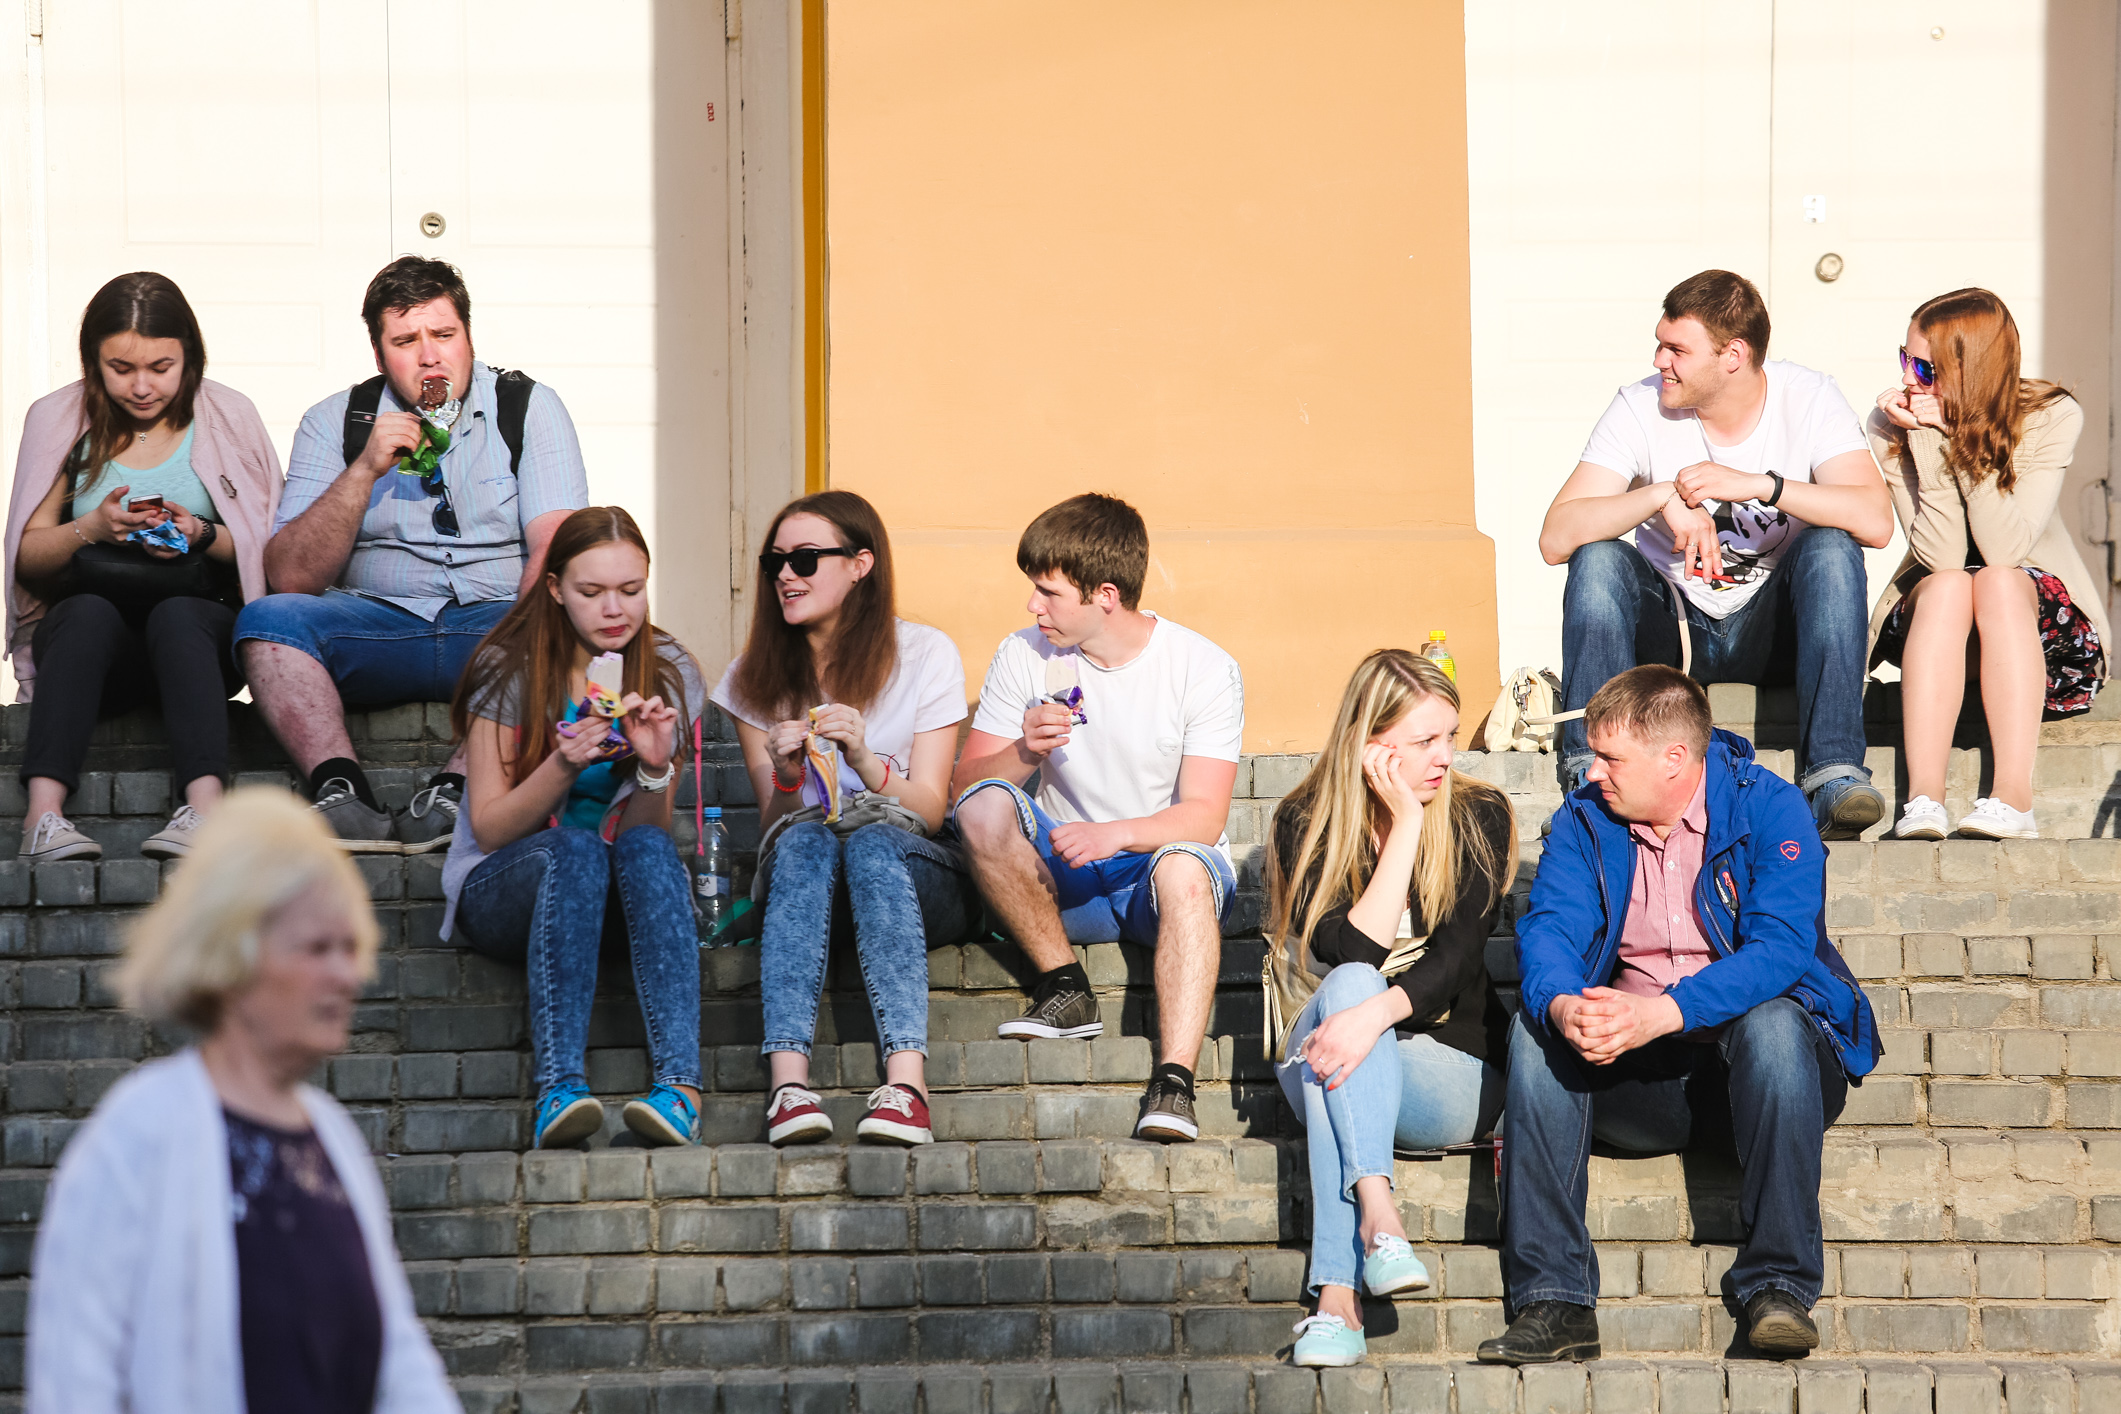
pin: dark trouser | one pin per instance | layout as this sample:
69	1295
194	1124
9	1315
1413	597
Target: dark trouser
1770	1078
91	664
1808	625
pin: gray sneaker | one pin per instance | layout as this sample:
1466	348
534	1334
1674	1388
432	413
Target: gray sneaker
1166	1115
431	820
54	838
360	829
174	840
1066	1015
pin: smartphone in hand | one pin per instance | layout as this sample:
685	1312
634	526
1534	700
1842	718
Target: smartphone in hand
144	503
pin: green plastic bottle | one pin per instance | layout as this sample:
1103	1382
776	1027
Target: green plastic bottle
1438	651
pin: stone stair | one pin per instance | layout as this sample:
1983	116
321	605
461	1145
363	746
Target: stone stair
1036	1258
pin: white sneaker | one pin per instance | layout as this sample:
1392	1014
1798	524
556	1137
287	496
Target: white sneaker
174	840
1993	820
54	838
1921	819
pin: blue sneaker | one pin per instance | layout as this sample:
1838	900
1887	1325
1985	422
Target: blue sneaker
1845	807
567	1114
1327	1341
1392	1266
663	1116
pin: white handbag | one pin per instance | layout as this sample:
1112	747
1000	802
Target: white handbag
1524	717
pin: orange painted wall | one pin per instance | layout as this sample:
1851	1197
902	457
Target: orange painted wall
1208	255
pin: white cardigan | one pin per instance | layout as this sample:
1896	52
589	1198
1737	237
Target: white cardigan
133	1303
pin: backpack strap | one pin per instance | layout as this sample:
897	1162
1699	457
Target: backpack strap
511	388
363	399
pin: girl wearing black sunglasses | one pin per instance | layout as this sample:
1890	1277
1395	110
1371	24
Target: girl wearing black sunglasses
1975	455
841	705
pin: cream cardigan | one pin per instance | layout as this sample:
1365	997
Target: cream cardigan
2019	527
133	1302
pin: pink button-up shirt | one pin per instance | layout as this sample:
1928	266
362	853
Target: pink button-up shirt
1662	940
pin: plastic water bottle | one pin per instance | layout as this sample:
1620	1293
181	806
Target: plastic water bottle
1439	652
711	896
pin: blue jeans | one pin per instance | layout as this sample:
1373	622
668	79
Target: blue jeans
1808	624
1110	900
1769	1082
906	894
1412	1092
378	654
540	903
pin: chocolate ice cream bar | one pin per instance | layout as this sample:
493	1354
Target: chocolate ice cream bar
433	393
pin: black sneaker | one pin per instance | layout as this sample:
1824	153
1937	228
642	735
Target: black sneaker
1779	1325
1166	1115
431	821
1065	1015
1543	1332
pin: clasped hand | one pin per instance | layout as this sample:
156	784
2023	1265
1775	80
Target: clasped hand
649	725
1603	1023
1909	411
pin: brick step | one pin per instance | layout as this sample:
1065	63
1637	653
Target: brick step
1169	1386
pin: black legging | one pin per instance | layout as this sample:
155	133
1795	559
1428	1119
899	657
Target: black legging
91	663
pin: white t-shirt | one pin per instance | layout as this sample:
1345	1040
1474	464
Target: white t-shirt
1182	696
1805	422
926	691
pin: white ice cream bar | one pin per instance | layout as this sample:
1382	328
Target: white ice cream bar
1062	673
608	671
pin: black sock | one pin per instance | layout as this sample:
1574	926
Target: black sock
447	778
1071	978
1174	1075
347	769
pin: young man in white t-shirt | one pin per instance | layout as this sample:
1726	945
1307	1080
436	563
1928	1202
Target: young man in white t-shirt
1133	726
1749	488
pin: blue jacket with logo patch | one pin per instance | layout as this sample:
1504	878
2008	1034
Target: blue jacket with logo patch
1761	899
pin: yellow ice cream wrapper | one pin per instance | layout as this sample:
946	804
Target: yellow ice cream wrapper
825	764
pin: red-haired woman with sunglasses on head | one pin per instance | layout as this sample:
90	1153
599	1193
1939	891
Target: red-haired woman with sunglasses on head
1975	456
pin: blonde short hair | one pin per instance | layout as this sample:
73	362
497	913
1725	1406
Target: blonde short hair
259	849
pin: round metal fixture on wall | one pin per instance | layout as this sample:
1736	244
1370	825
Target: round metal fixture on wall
1829	268
432	225
1936	31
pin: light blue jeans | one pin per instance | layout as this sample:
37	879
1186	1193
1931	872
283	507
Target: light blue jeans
897	892
1412	1092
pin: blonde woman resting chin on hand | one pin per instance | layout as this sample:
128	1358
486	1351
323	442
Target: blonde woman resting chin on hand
1384	872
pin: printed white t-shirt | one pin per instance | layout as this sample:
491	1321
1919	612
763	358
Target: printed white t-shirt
1806	421
926	691
1181	696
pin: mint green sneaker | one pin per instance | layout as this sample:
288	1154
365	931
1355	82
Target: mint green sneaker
1392	1266
1326	1340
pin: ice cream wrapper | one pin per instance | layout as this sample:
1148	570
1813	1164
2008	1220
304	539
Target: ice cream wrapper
165	536
1064	688
606	675
824	758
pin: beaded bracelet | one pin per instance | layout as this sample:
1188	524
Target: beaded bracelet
790	790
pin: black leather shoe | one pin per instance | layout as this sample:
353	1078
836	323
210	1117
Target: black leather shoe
1779	1325
1545	1331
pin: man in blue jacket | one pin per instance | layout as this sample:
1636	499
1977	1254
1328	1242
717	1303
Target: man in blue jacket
1677	978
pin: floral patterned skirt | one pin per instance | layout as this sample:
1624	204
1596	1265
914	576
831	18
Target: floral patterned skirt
2075	658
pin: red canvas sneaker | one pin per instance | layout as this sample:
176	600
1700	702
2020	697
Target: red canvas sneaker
897	1115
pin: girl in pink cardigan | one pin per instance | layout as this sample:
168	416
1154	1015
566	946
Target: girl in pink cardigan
143	498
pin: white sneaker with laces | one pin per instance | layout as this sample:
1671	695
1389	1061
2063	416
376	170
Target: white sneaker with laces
54	838
1993	820
1921	819
174	840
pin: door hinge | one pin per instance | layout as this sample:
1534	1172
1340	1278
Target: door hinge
732	19
36	19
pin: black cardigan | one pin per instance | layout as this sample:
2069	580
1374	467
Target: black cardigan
1450	979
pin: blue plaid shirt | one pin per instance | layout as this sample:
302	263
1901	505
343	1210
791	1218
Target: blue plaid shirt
398	557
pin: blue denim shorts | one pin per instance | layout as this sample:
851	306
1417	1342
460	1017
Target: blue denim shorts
1112	900
379	654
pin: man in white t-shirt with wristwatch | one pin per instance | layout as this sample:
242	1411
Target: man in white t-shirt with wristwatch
1133	726
1749	488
